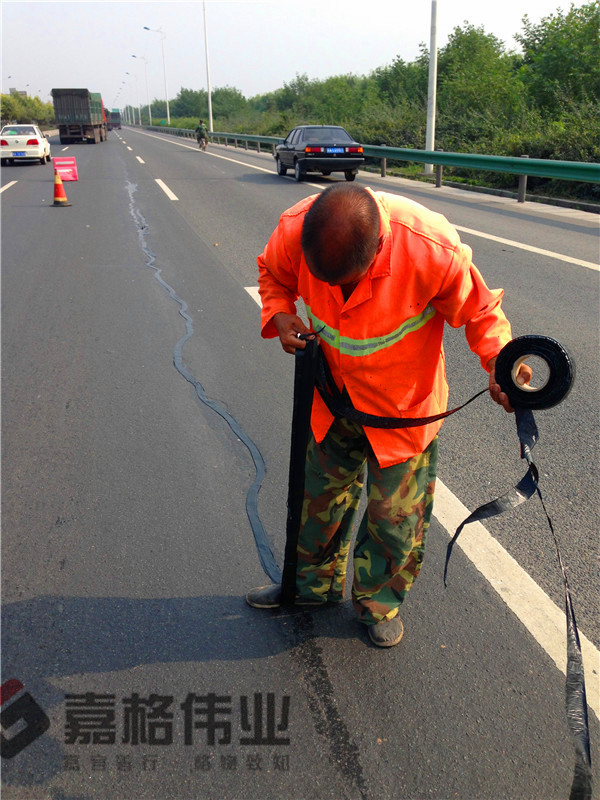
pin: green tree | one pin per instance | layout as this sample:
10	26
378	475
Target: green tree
188	103
26	109
479	89
13	108
227	102
401	82
159	109
562	56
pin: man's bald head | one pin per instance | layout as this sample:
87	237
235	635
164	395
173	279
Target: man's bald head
340	234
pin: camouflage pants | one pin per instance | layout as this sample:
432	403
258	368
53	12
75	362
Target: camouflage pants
391	539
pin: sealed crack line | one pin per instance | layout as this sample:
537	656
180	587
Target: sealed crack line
344	753
264	551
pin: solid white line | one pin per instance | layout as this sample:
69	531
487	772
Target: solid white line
520	245
530	248
141	160
166	190
7	186
542	618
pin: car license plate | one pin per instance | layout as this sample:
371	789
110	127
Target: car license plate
334	149
19	153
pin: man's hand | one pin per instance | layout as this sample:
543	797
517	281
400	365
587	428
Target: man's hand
498	396
288	327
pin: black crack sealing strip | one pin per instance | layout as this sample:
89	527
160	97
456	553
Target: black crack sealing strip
328	722
265	554
327	719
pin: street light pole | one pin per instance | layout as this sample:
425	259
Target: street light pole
163	36
210	118
145	60
137	92
431	94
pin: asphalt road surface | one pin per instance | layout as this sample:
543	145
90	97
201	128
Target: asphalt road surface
134	383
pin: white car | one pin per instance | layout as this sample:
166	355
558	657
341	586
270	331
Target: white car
23	142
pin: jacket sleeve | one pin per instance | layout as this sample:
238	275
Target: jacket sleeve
464	299
277	280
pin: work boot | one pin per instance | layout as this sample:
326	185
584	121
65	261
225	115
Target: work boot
270	597
386	633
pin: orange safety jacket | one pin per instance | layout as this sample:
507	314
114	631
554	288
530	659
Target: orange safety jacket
384	344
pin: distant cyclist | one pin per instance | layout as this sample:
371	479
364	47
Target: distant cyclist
202	135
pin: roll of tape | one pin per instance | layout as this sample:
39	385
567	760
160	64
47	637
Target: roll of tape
561	372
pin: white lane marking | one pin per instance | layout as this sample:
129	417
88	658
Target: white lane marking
64	148
129	148
228	158
549	253
209	153
166	190
253	292
7	186
530	248
542	618
141	160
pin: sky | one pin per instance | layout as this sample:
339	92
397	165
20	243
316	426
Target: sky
254	46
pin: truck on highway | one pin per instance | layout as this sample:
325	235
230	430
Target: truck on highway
80	116
114	119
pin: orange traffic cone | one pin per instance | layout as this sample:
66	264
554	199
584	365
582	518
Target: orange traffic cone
60	196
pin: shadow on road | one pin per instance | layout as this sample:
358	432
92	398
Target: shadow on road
53	636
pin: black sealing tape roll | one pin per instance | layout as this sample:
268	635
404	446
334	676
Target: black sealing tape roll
561	372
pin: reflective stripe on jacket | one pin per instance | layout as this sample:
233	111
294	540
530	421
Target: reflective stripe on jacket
384	344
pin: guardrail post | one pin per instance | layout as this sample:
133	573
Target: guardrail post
246	144
235	142
273	150
383	165
258	147
522	186
438	171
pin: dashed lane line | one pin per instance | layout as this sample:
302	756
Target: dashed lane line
7	186
166	189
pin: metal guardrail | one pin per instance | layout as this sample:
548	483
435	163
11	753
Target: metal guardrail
523	166
222	138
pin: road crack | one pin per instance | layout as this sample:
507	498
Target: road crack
260	536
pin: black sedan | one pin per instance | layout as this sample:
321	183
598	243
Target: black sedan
319	148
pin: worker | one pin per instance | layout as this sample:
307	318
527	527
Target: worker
380	276
201	135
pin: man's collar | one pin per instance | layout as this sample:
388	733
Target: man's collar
383	260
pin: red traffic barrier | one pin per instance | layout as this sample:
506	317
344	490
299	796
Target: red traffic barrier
67	168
